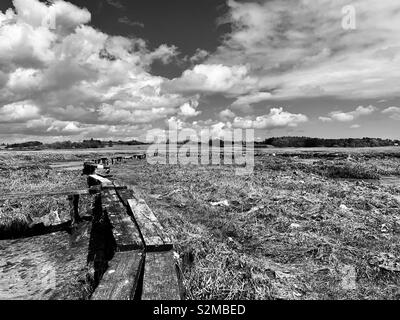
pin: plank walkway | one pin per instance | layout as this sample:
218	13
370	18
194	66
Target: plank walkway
143	265
130	255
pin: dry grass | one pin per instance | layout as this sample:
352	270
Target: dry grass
288	231
291	230
20	175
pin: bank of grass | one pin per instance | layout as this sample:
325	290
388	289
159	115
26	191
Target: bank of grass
24	175
282	233
349	170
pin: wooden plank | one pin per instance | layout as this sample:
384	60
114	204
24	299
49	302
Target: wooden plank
124	195
125	232
74	209
95	179
154	237
160	280
120	281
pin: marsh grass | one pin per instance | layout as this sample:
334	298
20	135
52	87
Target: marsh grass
350	170
289	231
27	174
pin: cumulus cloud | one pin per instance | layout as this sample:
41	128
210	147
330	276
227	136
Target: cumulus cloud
349	116
277	118
188	109
71	79
214	78
18	111
199	55
393	112
226	115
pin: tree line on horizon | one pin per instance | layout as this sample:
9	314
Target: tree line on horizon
307	142
278	142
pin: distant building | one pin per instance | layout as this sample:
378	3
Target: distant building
396	144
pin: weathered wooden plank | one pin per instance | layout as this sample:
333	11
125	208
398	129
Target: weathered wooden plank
125	195
95	179
155	239
74	209
120	281
160	280
125	232
89	168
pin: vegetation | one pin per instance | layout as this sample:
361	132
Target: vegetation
291	230
29	144
85	144
306	142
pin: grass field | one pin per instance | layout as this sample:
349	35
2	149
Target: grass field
307	224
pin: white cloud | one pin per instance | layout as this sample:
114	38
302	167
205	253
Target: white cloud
188	109
212	78
18	112
175	124
163	53
355	126
251	99
199	55
226	115
349	116
325	119
393	112
299	48
74	79
277	118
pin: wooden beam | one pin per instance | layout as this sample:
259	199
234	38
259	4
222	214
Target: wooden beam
95	179
160	280
154	237
121	279
125	232
124	195
74	208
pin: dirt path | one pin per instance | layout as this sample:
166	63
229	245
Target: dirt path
45	267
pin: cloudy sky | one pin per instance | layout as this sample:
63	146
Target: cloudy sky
115	69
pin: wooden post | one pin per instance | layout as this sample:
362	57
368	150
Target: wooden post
74	208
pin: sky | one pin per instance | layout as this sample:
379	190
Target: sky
116	69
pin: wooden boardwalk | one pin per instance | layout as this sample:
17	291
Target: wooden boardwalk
129	254
143	264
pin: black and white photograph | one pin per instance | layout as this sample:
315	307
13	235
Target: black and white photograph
219	151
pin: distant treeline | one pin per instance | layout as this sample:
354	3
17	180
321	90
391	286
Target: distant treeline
280	142
306	142
85	144
28	144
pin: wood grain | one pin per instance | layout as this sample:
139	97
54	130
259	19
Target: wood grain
160	280
121	279
154	236
125	231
